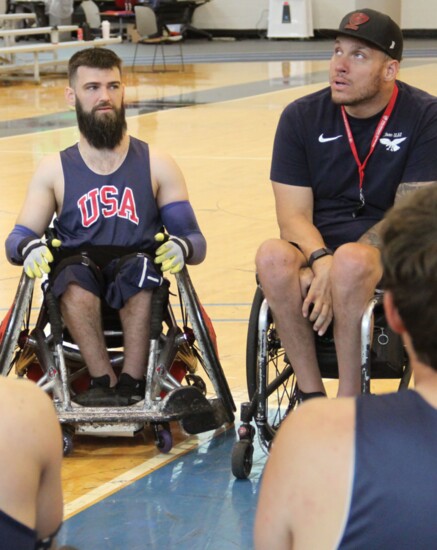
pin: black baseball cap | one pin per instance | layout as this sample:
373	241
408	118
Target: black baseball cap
374	27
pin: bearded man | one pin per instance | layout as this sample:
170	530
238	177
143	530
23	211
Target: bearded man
112	195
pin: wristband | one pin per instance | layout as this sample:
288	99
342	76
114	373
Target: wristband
319	254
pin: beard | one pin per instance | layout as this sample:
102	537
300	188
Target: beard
364	95
103	131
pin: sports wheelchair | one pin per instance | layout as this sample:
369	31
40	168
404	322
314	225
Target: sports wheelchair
271	382
175	391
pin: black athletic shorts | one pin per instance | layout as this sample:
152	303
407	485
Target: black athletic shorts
115	282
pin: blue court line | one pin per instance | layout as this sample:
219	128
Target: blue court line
192	503
232	304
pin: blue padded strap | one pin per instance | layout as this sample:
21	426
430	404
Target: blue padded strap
16	236
179	220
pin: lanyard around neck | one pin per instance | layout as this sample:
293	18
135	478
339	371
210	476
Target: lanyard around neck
379	129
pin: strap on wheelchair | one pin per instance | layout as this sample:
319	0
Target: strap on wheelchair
159	309
160	294
78	259
95	257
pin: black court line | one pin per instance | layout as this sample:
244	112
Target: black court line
67	119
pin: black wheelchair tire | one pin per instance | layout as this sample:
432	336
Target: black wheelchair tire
210	360
242	459
284	385
67	439
252	344
18	320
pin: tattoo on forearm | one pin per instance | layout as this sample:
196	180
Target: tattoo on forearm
373	235
370	237
406	188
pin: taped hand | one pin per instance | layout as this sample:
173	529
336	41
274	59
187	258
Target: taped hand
37	257
172	253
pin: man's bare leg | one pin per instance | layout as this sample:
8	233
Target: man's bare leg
81	313
278	265
135	320
354	275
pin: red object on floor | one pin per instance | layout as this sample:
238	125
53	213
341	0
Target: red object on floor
4	323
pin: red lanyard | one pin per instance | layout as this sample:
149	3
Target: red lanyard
379	129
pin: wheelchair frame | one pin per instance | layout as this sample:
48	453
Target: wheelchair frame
187	404
264	355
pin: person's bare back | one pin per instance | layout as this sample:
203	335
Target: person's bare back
30	462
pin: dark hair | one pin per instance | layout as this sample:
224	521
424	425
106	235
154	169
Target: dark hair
96	58
409	257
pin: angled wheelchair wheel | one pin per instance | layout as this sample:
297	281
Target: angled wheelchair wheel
163	437
67	439
271	381
15	327
242	459
204	345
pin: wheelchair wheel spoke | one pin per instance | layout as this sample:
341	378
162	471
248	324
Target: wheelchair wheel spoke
278	397
16	326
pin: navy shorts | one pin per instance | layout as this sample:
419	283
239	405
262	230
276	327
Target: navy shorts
115	283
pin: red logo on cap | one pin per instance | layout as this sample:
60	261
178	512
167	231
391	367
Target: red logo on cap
355	20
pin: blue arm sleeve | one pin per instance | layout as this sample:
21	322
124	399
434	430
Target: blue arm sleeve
179	220
13	241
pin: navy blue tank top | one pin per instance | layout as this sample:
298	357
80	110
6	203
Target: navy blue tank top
15	535
394	495
117	209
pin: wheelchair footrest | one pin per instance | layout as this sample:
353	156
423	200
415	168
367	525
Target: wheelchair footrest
197	414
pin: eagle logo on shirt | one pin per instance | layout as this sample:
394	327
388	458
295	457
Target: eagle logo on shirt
392	144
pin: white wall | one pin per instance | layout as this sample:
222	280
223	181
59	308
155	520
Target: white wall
419	14
253	14
327	14
232	14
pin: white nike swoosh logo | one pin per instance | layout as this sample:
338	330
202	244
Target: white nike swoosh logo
325	139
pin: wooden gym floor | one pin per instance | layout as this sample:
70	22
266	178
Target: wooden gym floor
218	121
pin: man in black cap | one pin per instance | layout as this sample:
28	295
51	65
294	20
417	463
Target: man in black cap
342	156
359	473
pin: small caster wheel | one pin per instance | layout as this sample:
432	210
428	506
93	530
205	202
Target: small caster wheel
242	459
67	440
164	440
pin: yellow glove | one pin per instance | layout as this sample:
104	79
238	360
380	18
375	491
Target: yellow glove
37	257
172	253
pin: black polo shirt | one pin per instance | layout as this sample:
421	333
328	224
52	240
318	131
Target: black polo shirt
311	149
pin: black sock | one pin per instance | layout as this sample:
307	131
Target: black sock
302	396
